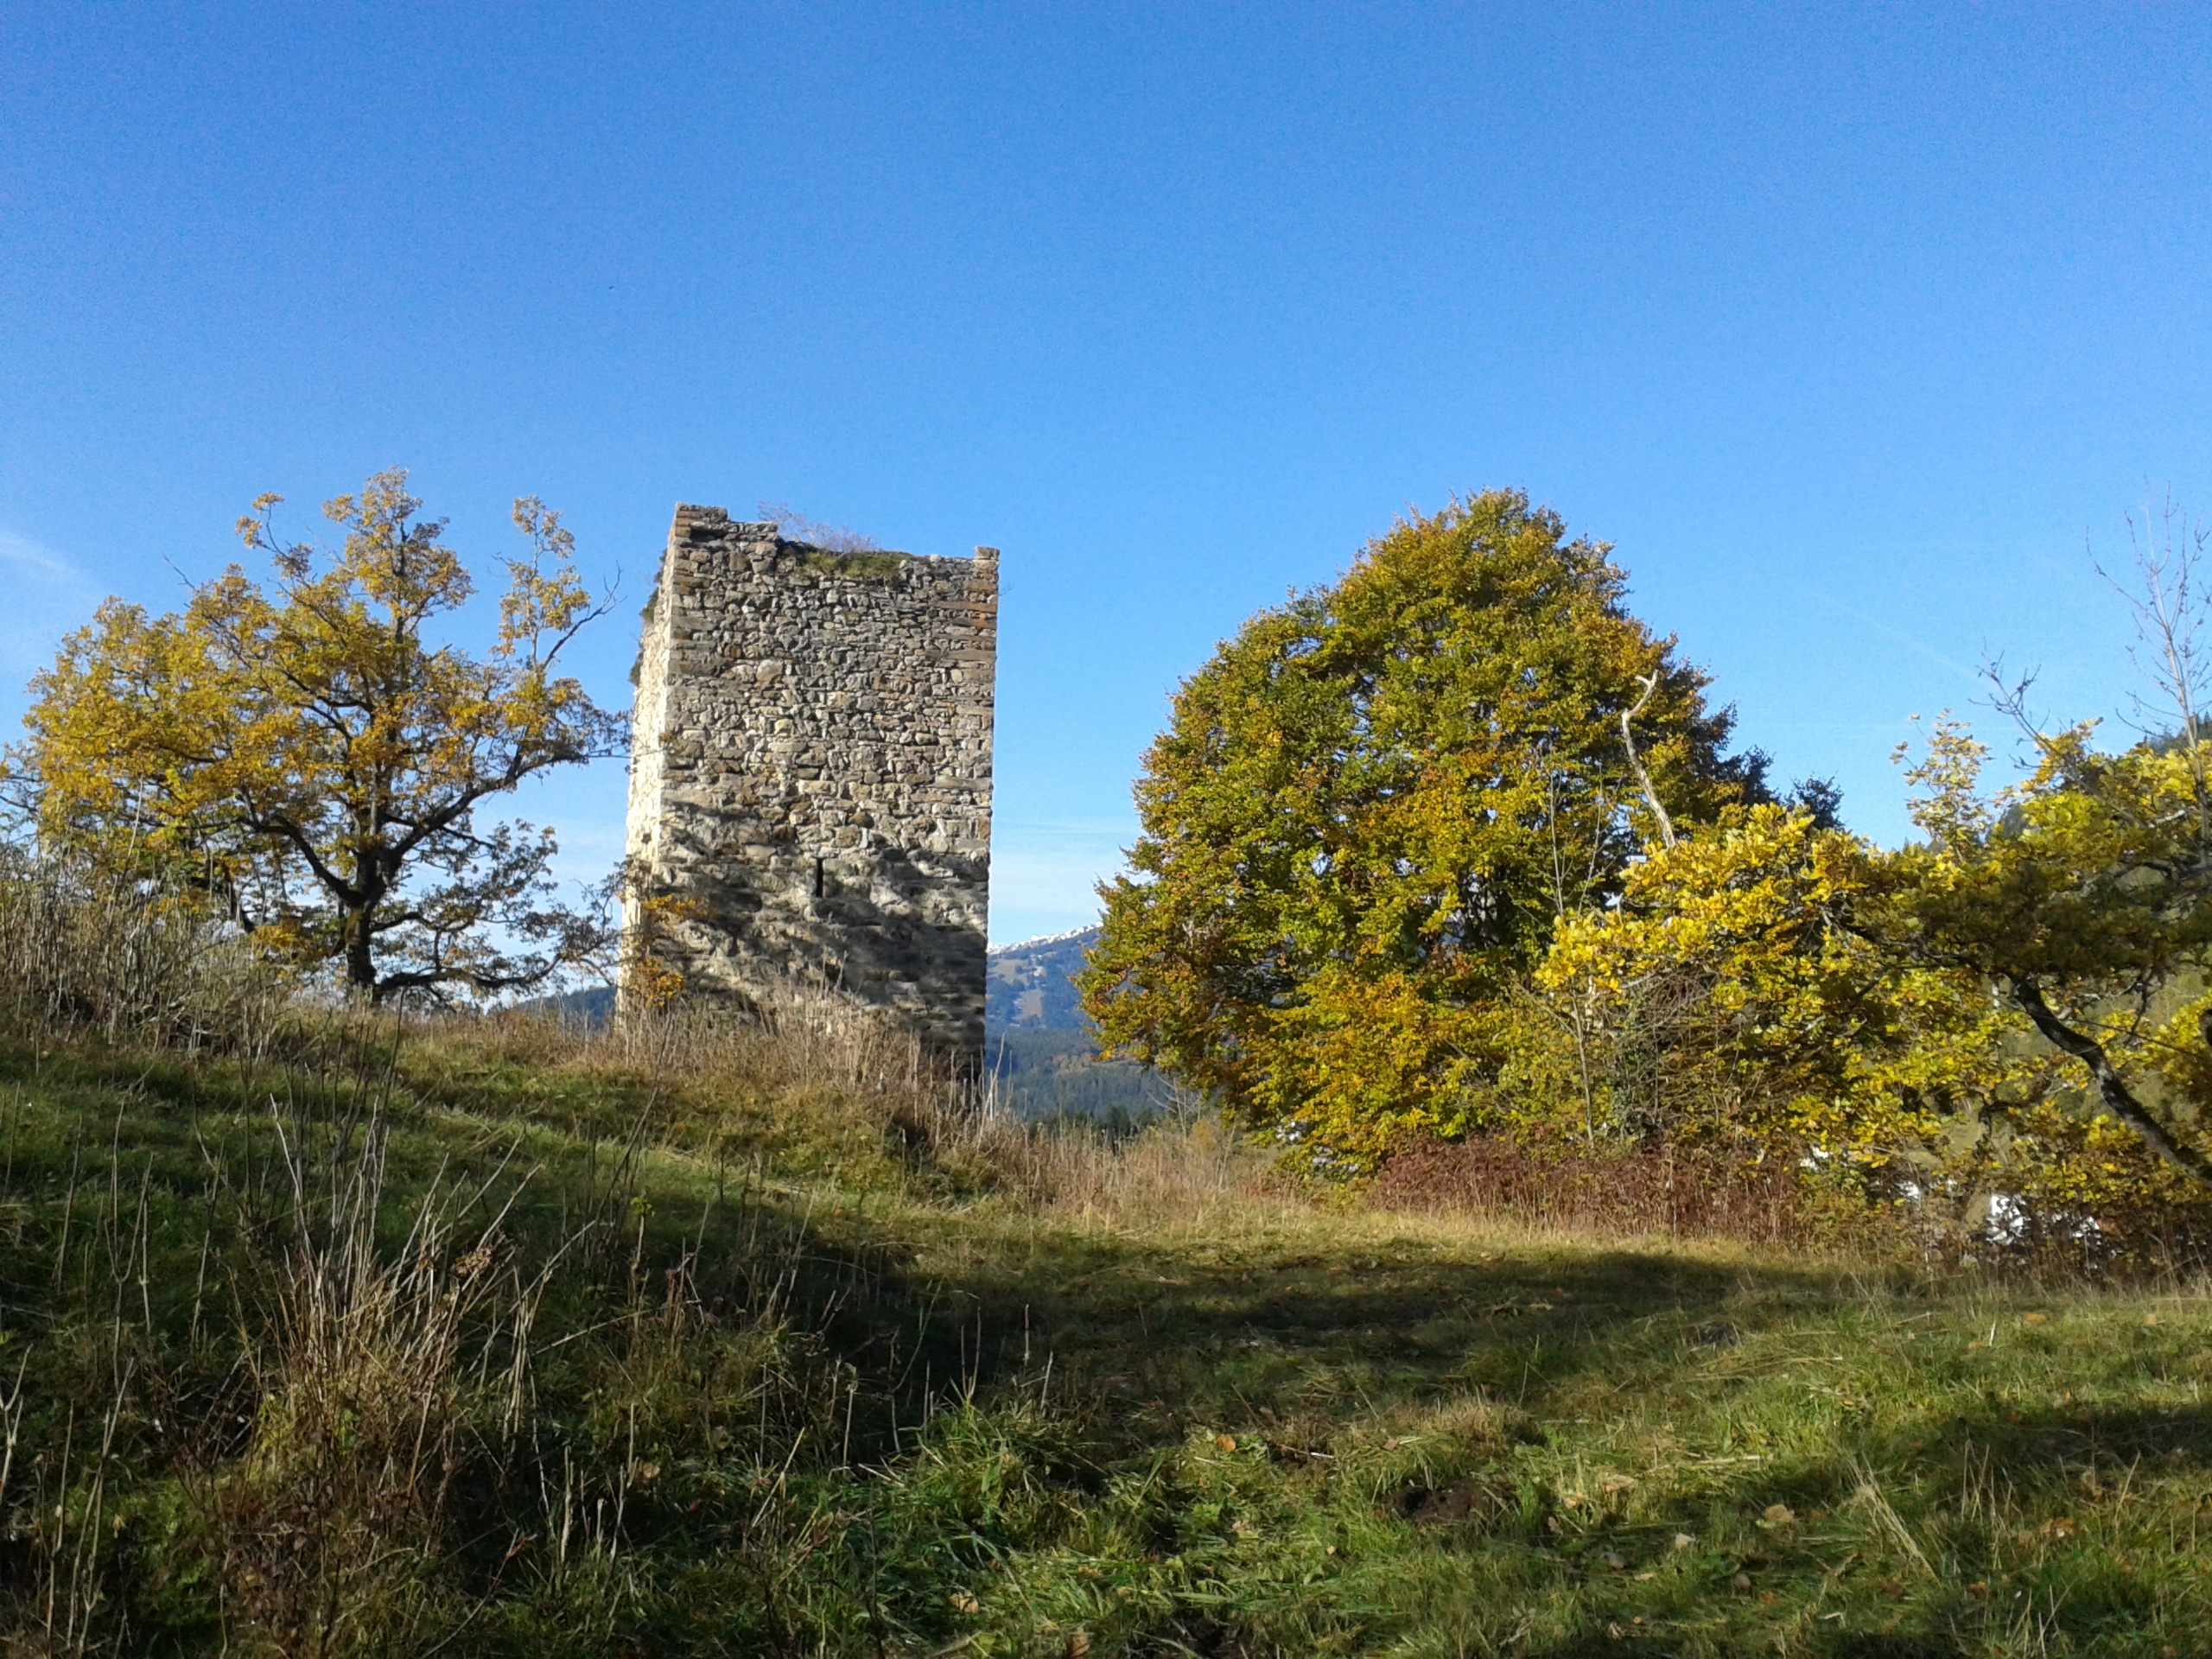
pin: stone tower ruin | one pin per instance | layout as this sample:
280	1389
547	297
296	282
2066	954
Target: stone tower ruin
811	771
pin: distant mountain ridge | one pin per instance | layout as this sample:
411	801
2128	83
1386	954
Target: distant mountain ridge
1042	1051
1028	986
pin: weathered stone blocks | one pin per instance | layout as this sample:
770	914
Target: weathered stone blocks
810	765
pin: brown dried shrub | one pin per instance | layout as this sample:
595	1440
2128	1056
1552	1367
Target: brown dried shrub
1758	1195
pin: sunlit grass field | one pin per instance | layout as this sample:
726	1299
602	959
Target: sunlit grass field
493	1338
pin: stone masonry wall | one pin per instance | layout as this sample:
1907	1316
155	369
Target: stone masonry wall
811	764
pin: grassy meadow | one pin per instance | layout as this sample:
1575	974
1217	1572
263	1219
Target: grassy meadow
327	1334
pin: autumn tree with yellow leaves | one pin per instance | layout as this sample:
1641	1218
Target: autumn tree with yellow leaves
2015	1001
1373	807
1454	846
1731	993
2082	897
310	757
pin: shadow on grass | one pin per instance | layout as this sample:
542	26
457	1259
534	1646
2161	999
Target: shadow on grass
903	1311
1201	1336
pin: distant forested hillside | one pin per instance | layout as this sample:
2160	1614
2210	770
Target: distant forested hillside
587	1007
1030	986
1042	1051
1047	1074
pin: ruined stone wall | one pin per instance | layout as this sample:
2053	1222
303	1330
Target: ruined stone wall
811	766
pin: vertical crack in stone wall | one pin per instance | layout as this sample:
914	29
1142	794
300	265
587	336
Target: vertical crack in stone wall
811	766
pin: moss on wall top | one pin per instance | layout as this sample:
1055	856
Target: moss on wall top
868	567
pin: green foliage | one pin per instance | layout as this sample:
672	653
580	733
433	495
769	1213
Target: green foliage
1371	810
314	762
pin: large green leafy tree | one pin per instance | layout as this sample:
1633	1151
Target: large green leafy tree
1372	808
316	759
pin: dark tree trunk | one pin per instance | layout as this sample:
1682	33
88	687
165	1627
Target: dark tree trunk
2112	1088
361	962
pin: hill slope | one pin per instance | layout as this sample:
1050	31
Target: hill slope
1041	1051
1028	986
494	1339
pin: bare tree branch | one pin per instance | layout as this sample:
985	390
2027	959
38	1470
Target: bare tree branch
1650	684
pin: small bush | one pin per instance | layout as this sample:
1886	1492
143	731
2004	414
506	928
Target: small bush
1716	1191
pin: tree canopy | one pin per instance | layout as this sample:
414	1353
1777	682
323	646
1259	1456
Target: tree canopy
2015	1002
1731	992
1373	807
314	761
2084	895
1455	845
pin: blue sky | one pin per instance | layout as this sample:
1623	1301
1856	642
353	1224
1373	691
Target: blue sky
1851	326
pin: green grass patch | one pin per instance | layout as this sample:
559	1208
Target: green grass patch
655	1358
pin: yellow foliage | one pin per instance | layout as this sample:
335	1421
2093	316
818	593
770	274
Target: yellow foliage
650	983
2084	896
1773	1017
1357	1065
310	760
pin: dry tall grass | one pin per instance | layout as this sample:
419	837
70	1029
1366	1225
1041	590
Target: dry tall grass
1665	1192
331	1527
79	955
1178	1172
813	1052
1189	1172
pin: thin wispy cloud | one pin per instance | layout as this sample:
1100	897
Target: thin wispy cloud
1124	830
1899	636
21	550
48	595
